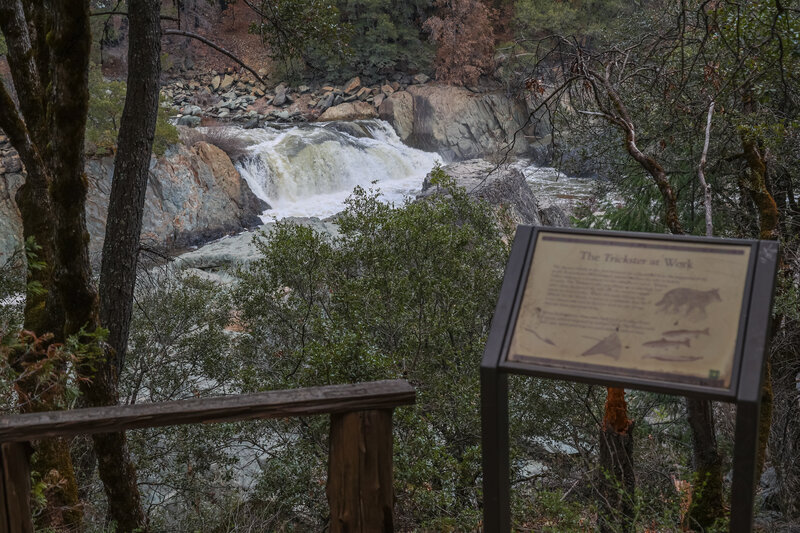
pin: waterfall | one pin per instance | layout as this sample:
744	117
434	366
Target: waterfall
310	169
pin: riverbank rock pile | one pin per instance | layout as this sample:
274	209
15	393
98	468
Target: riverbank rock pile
457	122
231	96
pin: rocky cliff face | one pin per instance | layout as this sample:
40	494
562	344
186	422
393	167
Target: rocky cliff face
193	195
456	122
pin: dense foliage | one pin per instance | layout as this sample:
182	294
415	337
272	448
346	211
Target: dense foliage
386	37
636	108
400	292
106	100
588	19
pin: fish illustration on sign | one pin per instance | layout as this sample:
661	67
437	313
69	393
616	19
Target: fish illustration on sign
673	358
686	300
610	346
664	343
685	333
543	339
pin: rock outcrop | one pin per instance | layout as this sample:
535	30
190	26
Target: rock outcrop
502	187
10	218
456	122
193	195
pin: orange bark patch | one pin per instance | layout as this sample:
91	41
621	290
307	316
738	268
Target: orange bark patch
616	413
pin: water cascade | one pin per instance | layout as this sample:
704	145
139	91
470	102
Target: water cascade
310	169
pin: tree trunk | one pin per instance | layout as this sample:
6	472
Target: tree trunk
47	55
617	479
769	225
129	184
120	253
707	494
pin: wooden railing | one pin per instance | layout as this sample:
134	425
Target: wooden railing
359	487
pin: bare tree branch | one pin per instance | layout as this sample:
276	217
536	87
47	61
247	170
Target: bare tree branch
125	14
701	169
215	47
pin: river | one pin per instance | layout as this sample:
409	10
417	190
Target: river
310	169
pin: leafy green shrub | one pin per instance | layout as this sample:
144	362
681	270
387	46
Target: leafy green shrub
179	349
300	33
402	292
106	101
399	292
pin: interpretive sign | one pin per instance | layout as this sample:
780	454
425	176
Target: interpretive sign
675	314
667	311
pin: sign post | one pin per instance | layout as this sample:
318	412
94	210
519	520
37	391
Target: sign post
670	314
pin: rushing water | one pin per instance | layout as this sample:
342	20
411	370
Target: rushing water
309	170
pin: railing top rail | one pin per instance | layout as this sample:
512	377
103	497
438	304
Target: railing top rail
272	404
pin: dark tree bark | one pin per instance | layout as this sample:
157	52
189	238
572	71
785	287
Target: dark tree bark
769	229
706	505
50	78
135	144
120	253
617	478
48	54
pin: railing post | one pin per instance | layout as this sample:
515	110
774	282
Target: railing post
360	492
15	488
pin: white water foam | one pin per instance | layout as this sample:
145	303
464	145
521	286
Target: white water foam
310	170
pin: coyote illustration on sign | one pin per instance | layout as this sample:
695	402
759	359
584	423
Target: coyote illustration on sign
687	300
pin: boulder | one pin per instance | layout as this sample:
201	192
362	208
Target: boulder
227	81
352	86
420	78
281	96
398	110
501	187
189	120
456	122
215	81
363	93
553	215
349	111
229	180
387	89
193	195
213	259
325	102
10	217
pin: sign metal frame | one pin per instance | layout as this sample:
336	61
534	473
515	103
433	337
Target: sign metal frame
744	388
